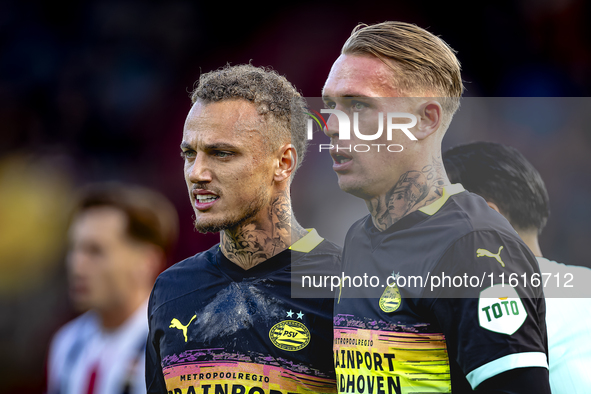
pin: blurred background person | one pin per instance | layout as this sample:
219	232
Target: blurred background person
513	187
120	236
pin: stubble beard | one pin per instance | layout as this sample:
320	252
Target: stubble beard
240	218
355	188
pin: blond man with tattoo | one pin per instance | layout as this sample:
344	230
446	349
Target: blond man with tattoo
422	330
224	320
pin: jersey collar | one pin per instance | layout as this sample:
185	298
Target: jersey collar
308	242
273	264
414	217
436	205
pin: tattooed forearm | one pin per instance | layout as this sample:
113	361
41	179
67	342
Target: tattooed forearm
413	190
250	244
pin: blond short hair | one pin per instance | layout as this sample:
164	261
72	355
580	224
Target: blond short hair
424	65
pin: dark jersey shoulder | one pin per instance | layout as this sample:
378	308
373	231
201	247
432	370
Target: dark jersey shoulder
215	326
183	277
325	257
466	212
481	242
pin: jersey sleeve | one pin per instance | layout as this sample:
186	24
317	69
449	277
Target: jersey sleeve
155	383
494	319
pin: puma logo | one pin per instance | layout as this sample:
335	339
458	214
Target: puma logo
497	256
175	323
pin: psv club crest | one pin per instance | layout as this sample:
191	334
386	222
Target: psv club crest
289	335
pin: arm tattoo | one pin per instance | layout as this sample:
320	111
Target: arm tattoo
414	190
251	244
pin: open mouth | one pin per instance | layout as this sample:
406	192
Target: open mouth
206	198
340	159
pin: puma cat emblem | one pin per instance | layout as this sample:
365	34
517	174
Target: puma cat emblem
497	256
175	323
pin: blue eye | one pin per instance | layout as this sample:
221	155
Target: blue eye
222	154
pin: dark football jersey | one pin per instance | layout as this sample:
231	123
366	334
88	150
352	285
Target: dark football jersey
446	323
216	328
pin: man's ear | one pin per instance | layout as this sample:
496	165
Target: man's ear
429	118
286	164
493	206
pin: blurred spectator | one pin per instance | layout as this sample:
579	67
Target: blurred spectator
119	237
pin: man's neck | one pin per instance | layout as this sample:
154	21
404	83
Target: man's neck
116	315
414	189
254	242
531	240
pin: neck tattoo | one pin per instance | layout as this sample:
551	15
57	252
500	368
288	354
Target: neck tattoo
252	243
413	190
